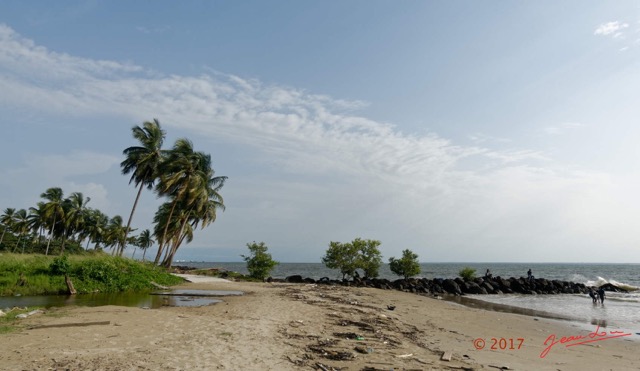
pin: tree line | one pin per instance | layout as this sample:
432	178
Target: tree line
348	257
182	176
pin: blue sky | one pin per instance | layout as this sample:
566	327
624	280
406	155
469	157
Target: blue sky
464	131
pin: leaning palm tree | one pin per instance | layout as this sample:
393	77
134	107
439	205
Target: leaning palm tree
143	161
179	180
53	210
191	184
6	219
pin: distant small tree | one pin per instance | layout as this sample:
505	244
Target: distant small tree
370	258
467	273
259	261
343	256
357	254
406	266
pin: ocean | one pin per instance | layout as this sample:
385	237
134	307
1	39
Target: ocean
621	311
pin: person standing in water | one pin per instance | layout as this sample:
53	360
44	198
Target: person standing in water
601	295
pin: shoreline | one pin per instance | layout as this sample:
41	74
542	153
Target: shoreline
281	326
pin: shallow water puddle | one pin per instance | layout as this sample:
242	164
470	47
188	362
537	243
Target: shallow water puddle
171	298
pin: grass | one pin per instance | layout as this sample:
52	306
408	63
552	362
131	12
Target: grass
8	322
32	274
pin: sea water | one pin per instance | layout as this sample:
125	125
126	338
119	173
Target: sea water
620	310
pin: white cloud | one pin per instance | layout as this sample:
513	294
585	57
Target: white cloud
613	28
329	172
561	128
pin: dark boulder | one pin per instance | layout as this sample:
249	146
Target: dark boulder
451	287
294	279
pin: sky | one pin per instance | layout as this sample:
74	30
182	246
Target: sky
464	131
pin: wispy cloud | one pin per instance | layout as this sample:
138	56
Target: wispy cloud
364	172
561	128
613	29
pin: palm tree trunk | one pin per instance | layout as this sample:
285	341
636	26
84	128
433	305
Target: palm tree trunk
144	253
126	231
50	234
17	243
162	242
4	230
169	258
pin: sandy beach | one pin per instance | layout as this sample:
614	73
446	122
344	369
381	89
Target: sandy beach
277	326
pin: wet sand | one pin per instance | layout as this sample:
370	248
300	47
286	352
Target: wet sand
306	327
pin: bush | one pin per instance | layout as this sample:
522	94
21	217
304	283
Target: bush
60	265
358	254
259	262
467	273
406	266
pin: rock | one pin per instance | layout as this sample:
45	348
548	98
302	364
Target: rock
294	279
451	287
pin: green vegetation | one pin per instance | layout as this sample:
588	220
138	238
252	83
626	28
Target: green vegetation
259	262
406	266
349	257
467	273
38	274
8	321
183	176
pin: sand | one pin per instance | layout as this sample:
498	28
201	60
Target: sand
304	327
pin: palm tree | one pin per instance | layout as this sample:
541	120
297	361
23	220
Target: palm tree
76	214
190	182
6	219
96	227
145	241
115	233
36	220
53	210
179	179
143	161
21	226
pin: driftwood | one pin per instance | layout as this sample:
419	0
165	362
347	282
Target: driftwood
72	290
76	324
158	286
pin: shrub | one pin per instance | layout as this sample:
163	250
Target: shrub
467	273
259	261
60	265
406	266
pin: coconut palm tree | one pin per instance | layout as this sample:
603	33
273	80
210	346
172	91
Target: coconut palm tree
179	180
6	219
36	220
143	161
96	227
196	192
145	241
53	210
115	233
76	214
21	226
